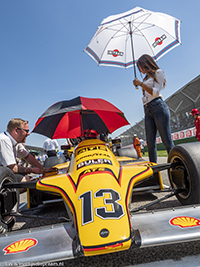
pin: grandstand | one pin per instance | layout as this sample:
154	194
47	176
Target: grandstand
182	123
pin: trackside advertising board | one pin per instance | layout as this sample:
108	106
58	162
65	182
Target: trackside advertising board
191	132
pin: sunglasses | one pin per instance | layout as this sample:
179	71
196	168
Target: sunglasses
23	130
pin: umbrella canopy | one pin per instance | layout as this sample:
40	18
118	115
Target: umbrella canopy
69	118
121	39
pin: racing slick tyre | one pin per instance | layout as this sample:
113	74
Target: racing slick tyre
185	172
9	200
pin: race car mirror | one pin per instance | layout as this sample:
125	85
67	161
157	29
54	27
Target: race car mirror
116	141
65	147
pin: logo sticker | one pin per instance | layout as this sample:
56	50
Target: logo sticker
104	232
159	40
184	221
93	155
93	162
22	245
115	53
90	149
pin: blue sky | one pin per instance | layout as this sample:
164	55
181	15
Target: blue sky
42	59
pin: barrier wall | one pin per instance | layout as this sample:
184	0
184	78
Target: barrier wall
184	136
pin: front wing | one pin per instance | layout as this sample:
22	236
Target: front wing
39	245
55	243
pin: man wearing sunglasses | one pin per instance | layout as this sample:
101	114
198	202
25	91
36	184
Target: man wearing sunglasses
11	147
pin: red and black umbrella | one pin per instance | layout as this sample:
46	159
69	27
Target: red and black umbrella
69	118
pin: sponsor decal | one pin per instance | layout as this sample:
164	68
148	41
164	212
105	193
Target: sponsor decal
104	233
175	136
180	135
100	169
22	245
115	53
90	149
184	221
159	40
93	155
158	140
188	133
93	162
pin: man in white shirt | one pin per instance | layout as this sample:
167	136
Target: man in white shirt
50	146
11	147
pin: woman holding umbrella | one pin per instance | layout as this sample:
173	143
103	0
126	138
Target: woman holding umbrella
157	116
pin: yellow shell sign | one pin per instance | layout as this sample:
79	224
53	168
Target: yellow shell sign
20	246
184	221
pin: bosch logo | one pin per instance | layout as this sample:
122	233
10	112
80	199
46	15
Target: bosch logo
115	53
159	40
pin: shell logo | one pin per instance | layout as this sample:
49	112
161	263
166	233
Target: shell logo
185	221
20	246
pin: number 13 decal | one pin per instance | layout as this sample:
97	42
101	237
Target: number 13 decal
87	205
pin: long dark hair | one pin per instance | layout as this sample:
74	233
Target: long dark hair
148	64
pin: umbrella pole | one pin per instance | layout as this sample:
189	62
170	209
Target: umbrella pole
132	49
134	68
81	122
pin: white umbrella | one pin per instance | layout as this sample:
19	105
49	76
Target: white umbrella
121	39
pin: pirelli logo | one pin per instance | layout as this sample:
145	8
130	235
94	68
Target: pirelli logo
93	162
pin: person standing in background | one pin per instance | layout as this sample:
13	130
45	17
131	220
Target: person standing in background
195	114
50	146
142	145
136	144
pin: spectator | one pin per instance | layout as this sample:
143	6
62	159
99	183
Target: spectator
117	146
142	145
44	157
195	114
50	146
39	158
11	147
136	144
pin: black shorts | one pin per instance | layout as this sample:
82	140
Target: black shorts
51	153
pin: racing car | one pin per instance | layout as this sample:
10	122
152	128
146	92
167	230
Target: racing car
96	188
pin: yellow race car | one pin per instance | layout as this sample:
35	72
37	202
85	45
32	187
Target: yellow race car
97	187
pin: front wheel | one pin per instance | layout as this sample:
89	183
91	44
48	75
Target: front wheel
185	172
9	200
